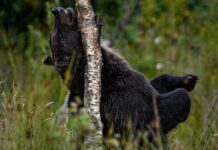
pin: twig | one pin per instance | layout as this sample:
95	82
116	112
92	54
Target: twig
208	114
157	122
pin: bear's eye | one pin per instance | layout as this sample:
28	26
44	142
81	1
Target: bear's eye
59	34
70	17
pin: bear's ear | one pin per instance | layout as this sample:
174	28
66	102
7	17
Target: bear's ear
48	61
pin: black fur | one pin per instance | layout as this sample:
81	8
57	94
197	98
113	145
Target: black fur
126	94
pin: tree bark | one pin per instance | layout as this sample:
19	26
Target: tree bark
91	43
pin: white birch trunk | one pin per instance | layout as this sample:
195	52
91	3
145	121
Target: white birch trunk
91	43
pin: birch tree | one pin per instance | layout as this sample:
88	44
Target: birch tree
91	43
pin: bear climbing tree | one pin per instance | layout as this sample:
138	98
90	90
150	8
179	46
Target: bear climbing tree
126	94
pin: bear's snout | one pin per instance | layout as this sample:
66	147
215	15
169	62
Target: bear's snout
56	11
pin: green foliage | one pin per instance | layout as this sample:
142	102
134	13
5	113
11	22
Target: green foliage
155	36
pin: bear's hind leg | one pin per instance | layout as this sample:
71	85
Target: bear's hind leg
173	108
167	82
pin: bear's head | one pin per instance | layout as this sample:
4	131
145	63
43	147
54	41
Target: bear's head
65	40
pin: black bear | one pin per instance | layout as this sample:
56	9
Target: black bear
126	94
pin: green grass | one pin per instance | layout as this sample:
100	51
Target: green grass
31	93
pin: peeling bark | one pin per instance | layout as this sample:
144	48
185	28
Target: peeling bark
91	44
